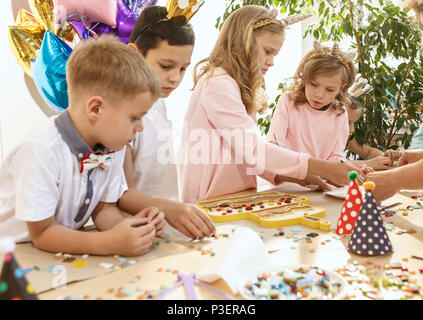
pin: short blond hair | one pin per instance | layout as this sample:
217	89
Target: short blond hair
109	68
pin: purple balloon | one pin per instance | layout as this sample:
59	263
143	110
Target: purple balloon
125	21
96	29
138	5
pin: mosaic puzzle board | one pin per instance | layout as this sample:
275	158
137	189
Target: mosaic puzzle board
271	209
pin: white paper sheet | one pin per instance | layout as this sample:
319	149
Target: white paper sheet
244	255
341	193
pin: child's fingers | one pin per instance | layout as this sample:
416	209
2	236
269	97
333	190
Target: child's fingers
201	224
158	217
196	227
153	213
185	231
402	161
323	185
211	228
159	227
149	213
137	221
144	230
386	161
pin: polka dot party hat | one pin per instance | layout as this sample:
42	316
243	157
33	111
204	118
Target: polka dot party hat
369	236
13	285
351	207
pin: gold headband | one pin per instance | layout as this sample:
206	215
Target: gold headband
340	59
265	22
285	22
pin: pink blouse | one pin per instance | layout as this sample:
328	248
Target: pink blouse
222	150
321	134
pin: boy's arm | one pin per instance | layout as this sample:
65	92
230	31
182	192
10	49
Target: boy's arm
187	218
106	215
128	167
50	236
130	237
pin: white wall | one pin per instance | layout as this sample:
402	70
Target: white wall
22	108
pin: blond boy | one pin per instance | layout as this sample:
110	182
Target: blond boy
71	168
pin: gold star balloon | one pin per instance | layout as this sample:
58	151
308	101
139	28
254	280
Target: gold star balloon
43	11
25	39
26	36
185	8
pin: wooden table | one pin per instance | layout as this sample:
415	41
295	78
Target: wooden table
326	251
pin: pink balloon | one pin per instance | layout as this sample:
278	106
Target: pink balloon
88	11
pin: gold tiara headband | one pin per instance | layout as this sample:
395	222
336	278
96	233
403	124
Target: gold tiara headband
334	52
285	22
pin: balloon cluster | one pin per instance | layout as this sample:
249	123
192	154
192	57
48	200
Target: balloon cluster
42	40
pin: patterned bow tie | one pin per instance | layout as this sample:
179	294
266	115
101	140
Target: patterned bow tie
92	160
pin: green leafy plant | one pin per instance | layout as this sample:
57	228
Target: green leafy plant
387	44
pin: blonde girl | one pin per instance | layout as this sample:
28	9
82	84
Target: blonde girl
221	146
311	117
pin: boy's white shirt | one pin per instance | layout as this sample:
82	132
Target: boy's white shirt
41	178
153	155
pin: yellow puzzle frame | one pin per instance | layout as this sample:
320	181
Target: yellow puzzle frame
268	212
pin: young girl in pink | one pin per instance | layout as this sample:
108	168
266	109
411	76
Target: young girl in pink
311	117
222	149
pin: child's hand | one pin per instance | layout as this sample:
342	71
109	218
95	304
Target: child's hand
410	156
393	154
365	169
337	174
132	236
190	220
317	181
380	162
154	215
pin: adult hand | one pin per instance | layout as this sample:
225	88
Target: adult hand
385	184
410	156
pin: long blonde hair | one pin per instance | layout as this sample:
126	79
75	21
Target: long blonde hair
313	64
236	51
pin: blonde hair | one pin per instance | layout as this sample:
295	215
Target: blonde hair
355	105
313	64
109	68
236	51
